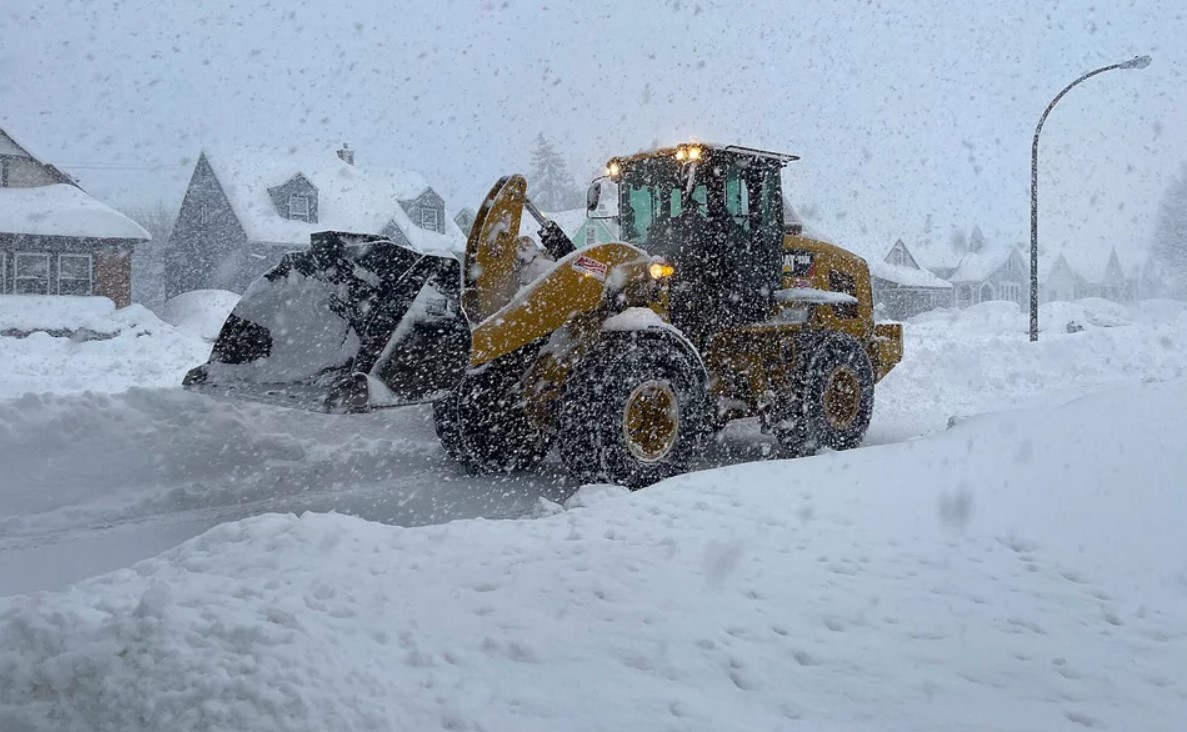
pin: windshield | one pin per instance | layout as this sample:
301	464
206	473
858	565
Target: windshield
654	192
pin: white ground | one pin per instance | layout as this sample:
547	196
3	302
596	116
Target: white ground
1023	569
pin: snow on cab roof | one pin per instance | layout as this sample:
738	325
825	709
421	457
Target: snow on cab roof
63	210
349	197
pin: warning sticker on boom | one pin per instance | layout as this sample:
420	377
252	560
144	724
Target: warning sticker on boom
590	266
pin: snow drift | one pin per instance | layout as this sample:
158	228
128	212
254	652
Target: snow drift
1020	571
137	349
962	362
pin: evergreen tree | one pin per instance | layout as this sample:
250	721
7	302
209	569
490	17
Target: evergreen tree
549	184
1169	250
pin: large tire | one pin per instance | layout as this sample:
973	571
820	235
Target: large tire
833	397
633	410
482	423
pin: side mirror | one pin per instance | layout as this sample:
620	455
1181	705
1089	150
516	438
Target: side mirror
592	196
601	200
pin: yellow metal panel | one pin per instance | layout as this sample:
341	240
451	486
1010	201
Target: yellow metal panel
492	261
574	285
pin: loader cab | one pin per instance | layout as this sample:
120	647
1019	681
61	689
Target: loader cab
716	214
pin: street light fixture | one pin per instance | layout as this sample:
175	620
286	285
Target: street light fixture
1137	62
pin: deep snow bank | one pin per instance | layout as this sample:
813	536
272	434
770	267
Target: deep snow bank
962	362
146	351
1020	571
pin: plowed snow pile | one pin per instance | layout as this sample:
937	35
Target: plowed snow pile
136	347
963	362
1020	571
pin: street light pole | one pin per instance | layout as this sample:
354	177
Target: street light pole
1137	62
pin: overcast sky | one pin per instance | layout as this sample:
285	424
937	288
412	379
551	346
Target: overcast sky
900	109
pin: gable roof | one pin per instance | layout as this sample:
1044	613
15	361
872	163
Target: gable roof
980	266
9	145
63	210
905	276
937	255
349	198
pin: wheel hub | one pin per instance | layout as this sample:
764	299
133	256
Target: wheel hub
842	398
651	421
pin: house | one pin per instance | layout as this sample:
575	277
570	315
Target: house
242	212
1145	278
902	287
55	239
991	273
577	225
1057	280
464	219
979	271
1112	283
1134	276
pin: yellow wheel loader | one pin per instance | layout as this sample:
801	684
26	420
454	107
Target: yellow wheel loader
624	356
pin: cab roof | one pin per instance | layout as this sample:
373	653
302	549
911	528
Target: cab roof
781	158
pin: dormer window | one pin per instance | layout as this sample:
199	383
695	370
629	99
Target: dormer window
428	219
299	207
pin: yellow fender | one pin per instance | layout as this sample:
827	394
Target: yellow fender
574	285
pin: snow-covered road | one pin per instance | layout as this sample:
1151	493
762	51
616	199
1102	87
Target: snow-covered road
1024	570
95	481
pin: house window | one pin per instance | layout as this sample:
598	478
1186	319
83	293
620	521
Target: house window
75	274
591	236
3	173
3	272
1011	291
428	218
203	213
31	274
299	207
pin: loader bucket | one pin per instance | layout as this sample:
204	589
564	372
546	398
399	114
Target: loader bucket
354	323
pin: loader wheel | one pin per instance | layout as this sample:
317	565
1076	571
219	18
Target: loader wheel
833	399
633	411
482	423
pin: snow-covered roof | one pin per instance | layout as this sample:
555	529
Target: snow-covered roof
979	266
1047	264
936	255
63	210
903	275
349	198
21	145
